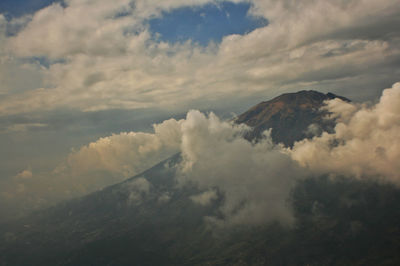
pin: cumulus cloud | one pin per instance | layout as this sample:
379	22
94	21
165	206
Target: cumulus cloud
255	179
117	157
365	144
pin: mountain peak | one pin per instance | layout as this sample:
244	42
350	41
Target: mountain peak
306	96
290	114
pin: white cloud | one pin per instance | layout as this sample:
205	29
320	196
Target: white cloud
365	144
255	179
117	157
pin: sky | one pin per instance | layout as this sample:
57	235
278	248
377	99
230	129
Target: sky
79	72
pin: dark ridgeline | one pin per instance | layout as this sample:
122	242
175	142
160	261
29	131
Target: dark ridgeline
341	222
289	116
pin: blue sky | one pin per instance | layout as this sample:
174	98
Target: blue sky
207	23
17	8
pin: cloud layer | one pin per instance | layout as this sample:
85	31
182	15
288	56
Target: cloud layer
103	56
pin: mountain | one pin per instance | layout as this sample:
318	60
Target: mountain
109	228
289	116
338	222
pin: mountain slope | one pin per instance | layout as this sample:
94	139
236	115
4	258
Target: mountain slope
289	116
120	225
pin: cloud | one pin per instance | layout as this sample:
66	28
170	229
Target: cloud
255	179
24	127
365	144
117	157
138	188
111	61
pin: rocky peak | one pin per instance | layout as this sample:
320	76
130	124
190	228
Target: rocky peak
289	115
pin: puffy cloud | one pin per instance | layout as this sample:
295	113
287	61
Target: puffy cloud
56	31
16	75
255	179
117	157
98	28
365	144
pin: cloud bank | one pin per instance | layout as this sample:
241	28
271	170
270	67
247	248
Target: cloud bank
365	144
